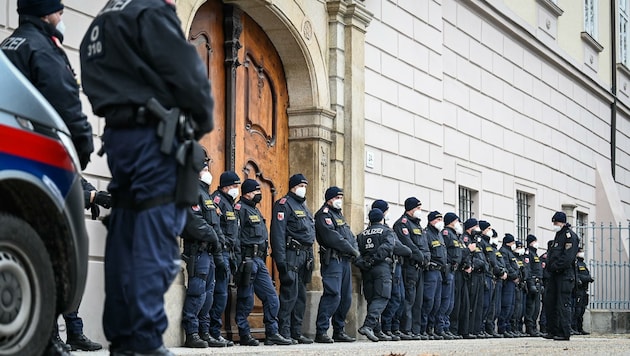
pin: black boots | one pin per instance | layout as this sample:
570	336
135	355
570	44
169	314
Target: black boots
81	342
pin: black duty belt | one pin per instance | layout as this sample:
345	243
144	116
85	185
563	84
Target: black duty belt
293	244
128	116
435	267
336	254
253	251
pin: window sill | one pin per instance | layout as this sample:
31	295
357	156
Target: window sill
552	7
589	40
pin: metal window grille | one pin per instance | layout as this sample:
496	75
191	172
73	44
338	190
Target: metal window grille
466	200
590	17
522	214
623	32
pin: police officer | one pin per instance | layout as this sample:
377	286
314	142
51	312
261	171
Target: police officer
560	263
581	293
390	317
520	290
433	276
409	231
200	243
337	246
453	260
476	282
292	237
376	245
500	276
460	316
494	272
509	286
224	199
534	287
253	276
123	66
35	48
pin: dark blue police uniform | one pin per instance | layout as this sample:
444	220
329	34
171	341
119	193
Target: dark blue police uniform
123	66
337	247
433	280
453	260
504	325
292	237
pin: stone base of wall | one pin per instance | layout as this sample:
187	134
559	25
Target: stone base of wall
607	321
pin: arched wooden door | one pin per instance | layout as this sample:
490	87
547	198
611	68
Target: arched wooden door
251	123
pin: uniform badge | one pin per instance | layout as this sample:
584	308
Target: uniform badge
328	221
568	235
417	231
445	233
405	231
325	210
280	216
526	260
283	200
217	199
196	207
237	206
489	248
465	238
404	220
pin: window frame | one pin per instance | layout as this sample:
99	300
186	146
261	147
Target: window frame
523	219
590	18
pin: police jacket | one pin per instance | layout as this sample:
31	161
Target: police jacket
135	50
453	247
494	270
291	221
479	262
436	245
535	265
376	244
543	264
202	221
229	221
410	234
523	266
583	275
502	268
511	265
253	228
35	49
332	231
561	257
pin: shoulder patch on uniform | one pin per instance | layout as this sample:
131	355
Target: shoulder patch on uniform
489	248
196	207
280	216
237	206
217	199
282	201
404	220
444	232
568	235
328	221
325	210
526	259
405	231
465	238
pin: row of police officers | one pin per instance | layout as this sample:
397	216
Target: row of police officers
444	280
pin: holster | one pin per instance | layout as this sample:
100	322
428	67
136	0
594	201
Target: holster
189	156
308	270
244	274
324	255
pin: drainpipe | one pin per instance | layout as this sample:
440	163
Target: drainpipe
613	89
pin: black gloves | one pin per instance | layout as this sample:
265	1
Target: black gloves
362	264
103	199
96	212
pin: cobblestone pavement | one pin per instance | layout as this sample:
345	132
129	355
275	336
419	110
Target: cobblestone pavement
579	345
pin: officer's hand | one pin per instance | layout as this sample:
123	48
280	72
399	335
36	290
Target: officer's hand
221	270
504	276
103	199
282	268
468	270
84	159
362	264
96	212
356	253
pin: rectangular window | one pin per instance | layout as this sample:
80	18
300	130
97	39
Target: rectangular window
590	18
523	214
623	32
467	199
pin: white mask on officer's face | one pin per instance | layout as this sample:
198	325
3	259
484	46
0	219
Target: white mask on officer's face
535	245
556	228
417	214
439	225
489	233
459	229
337	203
580	254
300	192
233	193
206	177
61	27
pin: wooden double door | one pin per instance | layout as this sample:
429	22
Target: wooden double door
251	126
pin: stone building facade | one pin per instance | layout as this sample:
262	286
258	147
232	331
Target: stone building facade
506	110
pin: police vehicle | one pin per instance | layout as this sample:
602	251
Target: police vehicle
43	241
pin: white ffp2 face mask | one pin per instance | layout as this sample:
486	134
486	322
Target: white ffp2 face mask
459	229
61	27
556	228
233	193
417	214
337	204
439	225
206	177
300	192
